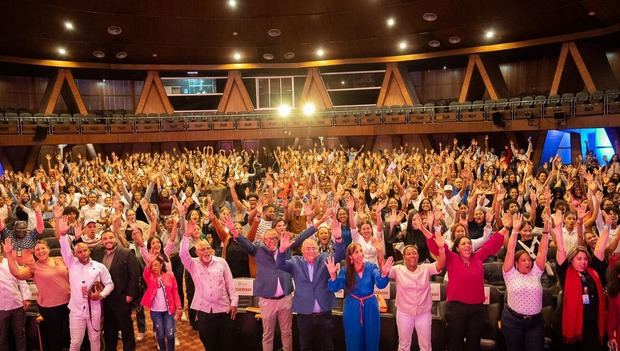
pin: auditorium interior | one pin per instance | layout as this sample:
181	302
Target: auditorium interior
100	78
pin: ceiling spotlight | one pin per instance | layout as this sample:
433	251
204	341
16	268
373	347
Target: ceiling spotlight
115	30
121	55
237	56
68	25
445	67
429	17
284	110
342	82
402	45
320	52
434	43
235	34
154	54
309	109
454	39
99	54
268	57
232	3
62	51
274	32
192	72
489	34
289	55
591	13
391	22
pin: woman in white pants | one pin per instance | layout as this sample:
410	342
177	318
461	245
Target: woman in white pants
413	296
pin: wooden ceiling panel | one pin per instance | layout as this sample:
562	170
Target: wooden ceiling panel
200	31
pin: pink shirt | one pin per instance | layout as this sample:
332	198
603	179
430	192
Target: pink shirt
467	281
52	282
413	289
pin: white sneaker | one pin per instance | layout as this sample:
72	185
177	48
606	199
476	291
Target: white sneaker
140	337
177	343
184	317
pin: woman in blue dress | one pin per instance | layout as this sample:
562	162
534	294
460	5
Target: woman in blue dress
362	322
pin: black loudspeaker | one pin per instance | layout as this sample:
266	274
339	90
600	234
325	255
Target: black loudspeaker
40	133
528	115
558	115
498	120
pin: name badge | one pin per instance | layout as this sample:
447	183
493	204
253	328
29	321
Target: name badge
586	299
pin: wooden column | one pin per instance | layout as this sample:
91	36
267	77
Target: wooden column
483	72
236	97
153	98
539	144
6	163
62	84
33	158
314	91
397	88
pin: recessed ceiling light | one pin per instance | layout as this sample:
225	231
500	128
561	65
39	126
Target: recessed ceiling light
62	51
115	30
455	39
434	43
445	67
121	55
235	34
237	56
268	57
402	45
390	22
429	17
232	3
289	55
274	32
154	55
99	54
342	82
489	34
192	72
591	13
320	52
69	25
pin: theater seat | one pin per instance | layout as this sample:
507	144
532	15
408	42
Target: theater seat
491	336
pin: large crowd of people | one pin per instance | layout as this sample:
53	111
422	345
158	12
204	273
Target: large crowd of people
150	230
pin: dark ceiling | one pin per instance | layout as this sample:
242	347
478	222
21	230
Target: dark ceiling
201	31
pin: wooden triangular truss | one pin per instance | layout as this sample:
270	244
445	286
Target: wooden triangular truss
62	84
235	97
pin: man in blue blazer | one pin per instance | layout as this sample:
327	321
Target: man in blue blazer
313	302
274	286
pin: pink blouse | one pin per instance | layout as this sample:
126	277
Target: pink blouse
52	282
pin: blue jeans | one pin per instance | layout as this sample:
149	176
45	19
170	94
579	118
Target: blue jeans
165	326
523	334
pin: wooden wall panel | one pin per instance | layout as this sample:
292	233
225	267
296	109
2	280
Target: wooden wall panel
433	85
531	77
110	95
20	92
613	56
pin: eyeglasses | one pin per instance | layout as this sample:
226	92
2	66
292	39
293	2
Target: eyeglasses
273	238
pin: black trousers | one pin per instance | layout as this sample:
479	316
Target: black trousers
178	270
55	327
14	322
215	330
117	316
315	331
465	321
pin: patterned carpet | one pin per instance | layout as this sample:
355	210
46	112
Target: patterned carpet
187	336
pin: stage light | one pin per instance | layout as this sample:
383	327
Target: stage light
402	45
390	22
232	3
237	56
489	34
62	51
320	52
309	109
284	110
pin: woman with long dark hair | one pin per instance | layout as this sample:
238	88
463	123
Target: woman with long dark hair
361	318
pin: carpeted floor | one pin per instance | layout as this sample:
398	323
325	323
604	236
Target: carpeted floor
187	336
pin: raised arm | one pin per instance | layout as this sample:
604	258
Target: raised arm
560	255
19	273
509	260
541	257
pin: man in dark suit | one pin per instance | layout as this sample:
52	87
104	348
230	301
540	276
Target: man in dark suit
123	267
313	302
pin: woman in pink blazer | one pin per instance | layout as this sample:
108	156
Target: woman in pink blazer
162	299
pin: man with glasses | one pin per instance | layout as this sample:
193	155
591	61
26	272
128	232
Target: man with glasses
273	286
313	301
